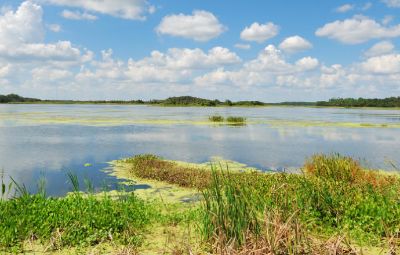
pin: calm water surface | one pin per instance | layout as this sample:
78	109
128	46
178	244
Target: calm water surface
51	140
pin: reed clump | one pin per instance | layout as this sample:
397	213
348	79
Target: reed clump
216	118
334	195
231	120
236	119
338	168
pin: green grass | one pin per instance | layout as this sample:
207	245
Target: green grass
75	220
216	118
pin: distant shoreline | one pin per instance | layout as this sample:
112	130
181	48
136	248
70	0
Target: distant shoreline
200	106
189	101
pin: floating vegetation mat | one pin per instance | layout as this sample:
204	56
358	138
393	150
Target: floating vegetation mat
40	118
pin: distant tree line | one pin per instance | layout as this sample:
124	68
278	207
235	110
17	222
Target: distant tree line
13	98
196	101
361	102
171	101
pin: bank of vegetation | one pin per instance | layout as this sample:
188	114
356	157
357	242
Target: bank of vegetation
333	206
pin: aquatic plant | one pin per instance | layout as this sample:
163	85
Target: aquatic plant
236	119
216	118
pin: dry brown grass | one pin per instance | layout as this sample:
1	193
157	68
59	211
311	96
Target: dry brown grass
284	237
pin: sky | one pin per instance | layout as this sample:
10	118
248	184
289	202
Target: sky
272	51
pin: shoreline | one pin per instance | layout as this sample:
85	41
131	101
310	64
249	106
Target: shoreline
201	106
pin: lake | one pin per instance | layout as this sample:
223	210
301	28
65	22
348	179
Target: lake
52	140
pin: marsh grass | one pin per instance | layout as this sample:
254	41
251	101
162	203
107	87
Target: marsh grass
236	119
216	118
233	222
230	120
338	168
333	196
75	220
149	166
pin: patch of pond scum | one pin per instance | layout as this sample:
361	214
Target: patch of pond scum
66	120
43	119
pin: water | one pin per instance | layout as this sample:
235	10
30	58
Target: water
51	140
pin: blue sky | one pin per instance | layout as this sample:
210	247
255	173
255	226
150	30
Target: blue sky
241	50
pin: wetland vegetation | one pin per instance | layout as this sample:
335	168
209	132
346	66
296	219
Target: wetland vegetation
230	119
216	118
332	205
236	119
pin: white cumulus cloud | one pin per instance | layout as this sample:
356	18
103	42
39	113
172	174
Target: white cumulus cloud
126	9
385	64
22	26
259	32
295	44
380	48
22	38
307	63
357	30
200	26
